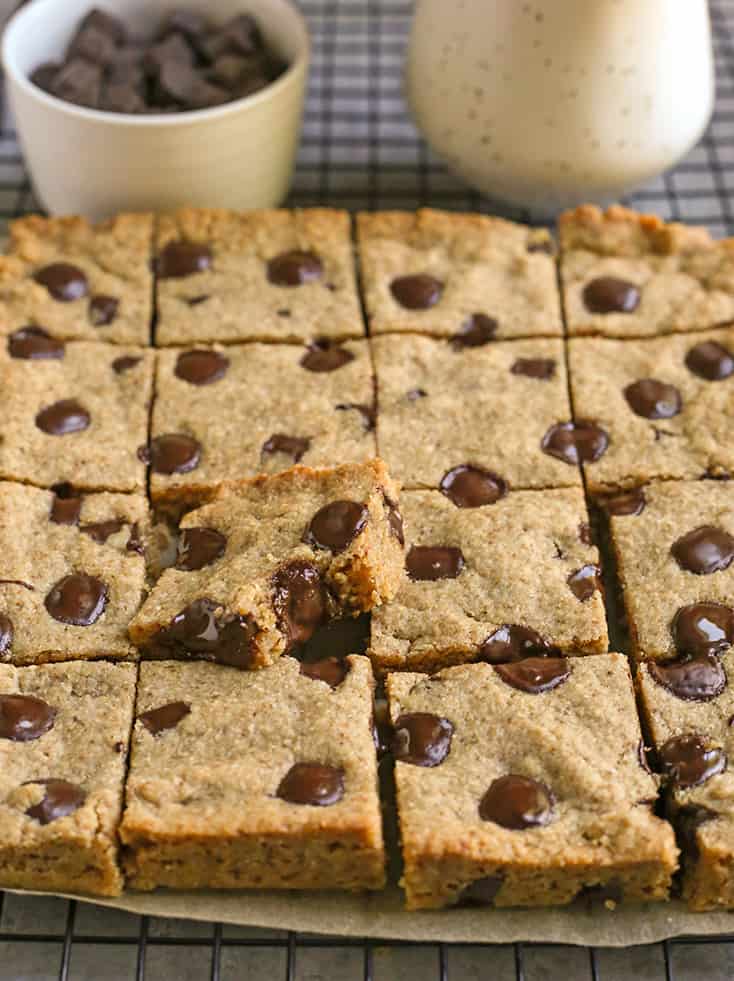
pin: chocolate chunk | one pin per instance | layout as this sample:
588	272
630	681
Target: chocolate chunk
335	525
300	601
201	367
34	344
103	310
312	783
294	268
45	76
481	892
368	413
172	453
688	761
199	547
125	363
105	23
241	34
62	418
540	368
710	360
66	505
80	82
186	22
584	582
6	633
703	628
629	503
332	670
100	531
122	97
517	802
60	799
513	642
77	599
64	282
688	820
427	563
704	550
206	629
653	399
292	446
574	442
694	679
477	330
229	69
323	355
204	95
92	44
421	739
173	50
179	259
24	718
535	674
607	294
418	292
336	639
165	717
472	487
395	520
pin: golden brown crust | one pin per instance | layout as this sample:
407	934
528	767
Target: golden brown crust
623	232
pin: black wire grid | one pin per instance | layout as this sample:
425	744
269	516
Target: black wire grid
359	150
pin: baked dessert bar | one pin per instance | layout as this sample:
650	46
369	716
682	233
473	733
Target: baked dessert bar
64	733
296	807
79	281
270	560
630	275
496	582
523	785
463	276
443	406
226	276
688	707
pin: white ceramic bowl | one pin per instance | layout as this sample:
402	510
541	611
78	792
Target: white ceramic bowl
239	155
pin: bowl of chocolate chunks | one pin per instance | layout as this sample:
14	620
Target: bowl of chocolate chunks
151	105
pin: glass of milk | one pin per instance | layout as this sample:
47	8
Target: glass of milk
550	103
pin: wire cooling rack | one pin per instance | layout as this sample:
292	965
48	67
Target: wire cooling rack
359	150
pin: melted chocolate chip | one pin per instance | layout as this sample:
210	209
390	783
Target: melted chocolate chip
100	531
368	413
135	541
642	756
103	310
688	820
653	399
312	783
629	503
24	718
478	330
66	505
201	367
60	799
205	629
179	259
332	670
172	453
34	344
427	563
300	601
125	363
335	525
704	550
292	446
295	268
574	442
324	355
395	520
421	739
166	717
535	674
694	679
199	547
602	892
710	360
481	892
62	418
472	487
689	762
517	803
336	639
584	582
513	642
607	294
64	282
703	628
6	633
417	292
540	368
77	599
